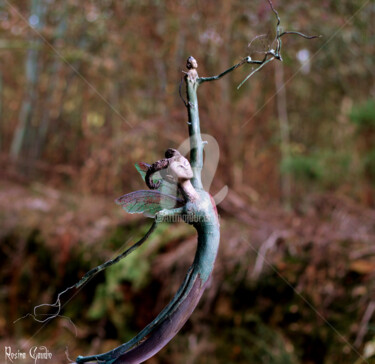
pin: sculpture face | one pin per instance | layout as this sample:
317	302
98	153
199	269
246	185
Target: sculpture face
180	170
191	63
194	63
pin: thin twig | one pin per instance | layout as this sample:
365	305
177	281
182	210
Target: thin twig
300	34
275	12
89	275
254	71
265	247
276	54
363	327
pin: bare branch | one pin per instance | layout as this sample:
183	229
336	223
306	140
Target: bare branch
363	327
276	54
300	34
275	12
269	55
256	70
214	78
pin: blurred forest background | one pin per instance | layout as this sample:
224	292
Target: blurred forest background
88	88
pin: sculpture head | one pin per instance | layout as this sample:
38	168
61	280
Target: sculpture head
179	169
175	168
191	63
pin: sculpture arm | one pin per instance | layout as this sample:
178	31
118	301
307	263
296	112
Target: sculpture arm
217	77
167	214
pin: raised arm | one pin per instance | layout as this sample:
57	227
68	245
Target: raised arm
214	78
196	143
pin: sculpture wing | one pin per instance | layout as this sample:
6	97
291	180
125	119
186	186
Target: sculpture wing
148	202
142	169
165	187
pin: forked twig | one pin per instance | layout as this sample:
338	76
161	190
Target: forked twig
269	55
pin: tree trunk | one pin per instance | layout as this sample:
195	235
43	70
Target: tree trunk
22	139
1	108
282	112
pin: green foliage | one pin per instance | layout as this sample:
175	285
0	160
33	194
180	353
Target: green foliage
130	276
133	271
363	115
369	164
327	168
336	167
98	307
260	344
302	167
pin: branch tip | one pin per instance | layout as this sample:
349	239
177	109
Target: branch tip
275	12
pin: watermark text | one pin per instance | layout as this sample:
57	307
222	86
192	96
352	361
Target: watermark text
36	353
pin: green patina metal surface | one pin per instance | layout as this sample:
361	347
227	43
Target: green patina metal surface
199	212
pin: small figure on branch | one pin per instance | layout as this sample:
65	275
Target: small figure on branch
189	202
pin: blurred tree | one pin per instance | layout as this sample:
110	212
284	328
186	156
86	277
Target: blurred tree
53	75
126	57
130	53
363	116
1	108
282	113
23	137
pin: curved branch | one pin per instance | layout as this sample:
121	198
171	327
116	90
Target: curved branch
300	34
90	274
274	53
107	264
254	71
217	77
275	12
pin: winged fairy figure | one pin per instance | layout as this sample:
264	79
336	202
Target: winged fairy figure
171	197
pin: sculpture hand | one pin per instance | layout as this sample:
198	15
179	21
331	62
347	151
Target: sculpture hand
165	215
161	215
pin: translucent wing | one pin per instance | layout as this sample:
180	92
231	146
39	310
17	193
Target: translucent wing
148	202
142	169
165	187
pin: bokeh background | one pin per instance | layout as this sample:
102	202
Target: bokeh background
88	88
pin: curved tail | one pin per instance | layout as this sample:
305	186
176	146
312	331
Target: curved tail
166	329
171	319
161	330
